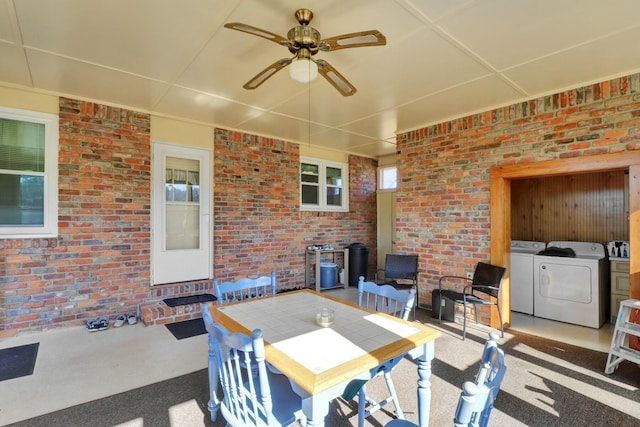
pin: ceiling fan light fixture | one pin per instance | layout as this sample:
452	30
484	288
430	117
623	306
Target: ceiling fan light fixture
303	70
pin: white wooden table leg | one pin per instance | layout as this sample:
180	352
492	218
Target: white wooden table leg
424	383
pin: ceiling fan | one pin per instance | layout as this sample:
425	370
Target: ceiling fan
304	42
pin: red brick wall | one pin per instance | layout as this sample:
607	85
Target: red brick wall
443	195
99	264
258	226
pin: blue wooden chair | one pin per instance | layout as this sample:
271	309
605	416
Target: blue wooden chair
476	399
386	299
264	399
245	289
227	292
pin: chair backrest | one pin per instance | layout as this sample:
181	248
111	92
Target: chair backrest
385	298
486	370
246	398
476	400
245	289
401	266
488	275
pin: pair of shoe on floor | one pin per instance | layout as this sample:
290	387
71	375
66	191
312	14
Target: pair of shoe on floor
98	324
130	318
102	323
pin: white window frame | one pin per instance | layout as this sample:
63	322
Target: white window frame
381	171
322	186
51	123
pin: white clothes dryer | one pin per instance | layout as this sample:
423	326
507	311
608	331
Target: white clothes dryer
521	274
572	289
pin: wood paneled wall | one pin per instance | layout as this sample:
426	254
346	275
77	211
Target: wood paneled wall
587	207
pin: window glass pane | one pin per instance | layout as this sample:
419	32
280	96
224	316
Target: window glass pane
179	192
388	178
310	173
193	187
182	192
312	179
194	193
28	173
334	176
334	196
310	195
21	200
21	145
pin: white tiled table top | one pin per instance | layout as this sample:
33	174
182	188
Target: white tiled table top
288	323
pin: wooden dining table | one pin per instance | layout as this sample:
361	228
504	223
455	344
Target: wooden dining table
321	362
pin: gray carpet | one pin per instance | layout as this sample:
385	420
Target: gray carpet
547	384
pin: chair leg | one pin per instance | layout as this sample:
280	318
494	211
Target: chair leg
500	318
415	304
475	312
464	321
362	402
394	396
214	403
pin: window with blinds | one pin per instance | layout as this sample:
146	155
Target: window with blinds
28	173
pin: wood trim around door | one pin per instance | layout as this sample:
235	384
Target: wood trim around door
500	207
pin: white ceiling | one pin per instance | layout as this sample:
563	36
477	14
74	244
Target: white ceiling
443	59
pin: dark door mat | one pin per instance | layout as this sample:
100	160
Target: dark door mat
187	328
191	299
18	361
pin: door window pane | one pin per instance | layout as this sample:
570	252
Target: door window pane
182	192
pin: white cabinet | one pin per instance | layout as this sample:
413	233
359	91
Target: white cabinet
619	286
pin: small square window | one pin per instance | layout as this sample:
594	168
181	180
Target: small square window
322	185
388	178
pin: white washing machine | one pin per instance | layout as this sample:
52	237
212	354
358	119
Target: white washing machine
521	273
572	289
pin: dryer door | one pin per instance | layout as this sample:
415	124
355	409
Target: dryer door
565	282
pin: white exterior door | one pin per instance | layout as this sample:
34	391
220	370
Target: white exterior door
181	214
386	201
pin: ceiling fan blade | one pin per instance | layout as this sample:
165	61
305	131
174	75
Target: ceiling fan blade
359	39
335	78
258	32
263	75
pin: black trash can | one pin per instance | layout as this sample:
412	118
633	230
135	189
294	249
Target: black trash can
446	305
358	262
